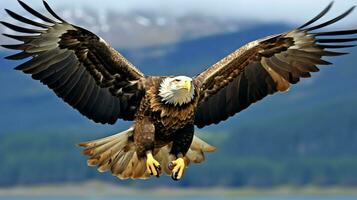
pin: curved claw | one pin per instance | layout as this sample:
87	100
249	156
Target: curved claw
178	168
152	166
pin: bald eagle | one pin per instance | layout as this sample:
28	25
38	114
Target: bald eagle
92	77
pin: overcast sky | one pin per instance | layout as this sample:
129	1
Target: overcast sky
293	11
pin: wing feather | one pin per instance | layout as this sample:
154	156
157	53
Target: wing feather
332	21
22	38
78	90
54	69
25	20
319	16
266	66
35	13
19	56
20	29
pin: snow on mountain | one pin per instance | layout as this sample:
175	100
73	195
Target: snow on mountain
138	29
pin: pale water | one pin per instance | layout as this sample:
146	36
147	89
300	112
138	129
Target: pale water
189	198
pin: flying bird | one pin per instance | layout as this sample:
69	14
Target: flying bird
95	79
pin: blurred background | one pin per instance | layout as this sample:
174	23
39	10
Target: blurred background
296	143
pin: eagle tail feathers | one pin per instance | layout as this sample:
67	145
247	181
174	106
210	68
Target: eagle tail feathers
117	153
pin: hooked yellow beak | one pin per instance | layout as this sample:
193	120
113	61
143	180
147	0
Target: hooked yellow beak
187	85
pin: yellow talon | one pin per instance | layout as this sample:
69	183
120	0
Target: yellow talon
178	168
152	166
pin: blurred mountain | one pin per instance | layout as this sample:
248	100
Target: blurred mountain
305	136
143	28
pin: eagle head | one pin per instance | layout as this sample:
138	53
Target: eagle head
177	90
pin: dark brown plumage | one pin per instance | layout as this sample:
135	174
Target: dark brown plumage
92	77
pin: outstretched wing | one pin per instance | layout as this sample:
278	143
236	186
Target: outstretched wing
264	67
80	67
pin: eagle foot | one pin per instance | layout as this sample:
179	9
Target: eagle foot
152	165
178	168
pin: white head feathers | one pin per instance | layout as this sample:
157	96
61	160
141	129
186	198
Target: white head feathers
177	90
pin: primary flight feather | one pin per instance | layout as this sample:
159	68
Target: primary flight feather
92	77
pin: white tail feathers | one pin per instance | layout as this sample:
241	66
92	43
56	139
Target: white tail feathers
117	154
